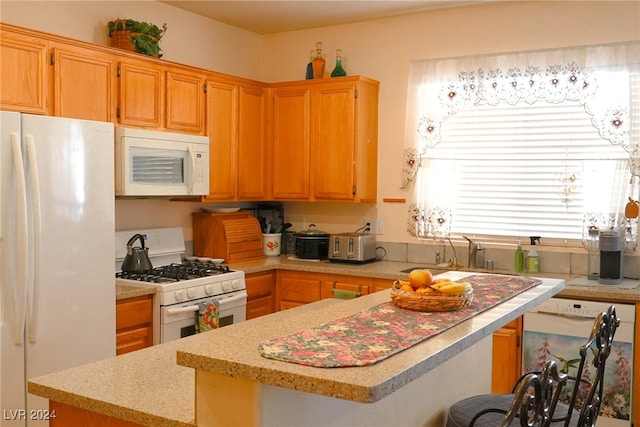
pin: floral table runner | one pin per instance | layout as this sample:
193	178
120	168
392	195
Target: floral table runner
374	334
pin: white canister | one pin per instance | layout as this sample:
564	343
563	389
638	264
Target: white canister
271	244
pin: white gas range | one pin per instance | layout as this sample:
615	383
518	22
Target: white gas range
192	295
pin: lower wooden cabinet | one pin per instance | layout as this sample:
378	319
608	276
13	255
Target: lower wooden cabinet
134	324
381	284
260	294
345	283
507	357
295	288
63	415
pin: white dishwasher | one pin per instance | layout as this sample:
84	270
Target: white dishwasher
557	328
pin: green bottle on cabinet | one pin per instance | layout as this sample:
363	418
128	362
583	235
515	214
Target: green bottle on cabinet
338	71
519	260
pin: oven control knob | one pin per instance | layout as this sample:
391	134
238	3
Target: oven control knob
209	289
226	286
235	284
180	295
191	293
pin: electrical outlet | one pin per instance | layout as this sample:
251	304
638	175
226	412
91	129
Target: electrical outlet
376	226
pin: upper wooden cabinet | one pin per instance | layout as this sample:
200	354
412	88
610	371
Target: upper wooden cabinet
310	140
84	84
158	97
53	77
290	142
325	139
23	71
236	112
185	101
140	94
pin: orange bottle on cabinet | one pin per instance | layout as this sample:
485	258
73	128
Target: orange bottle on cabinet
318	62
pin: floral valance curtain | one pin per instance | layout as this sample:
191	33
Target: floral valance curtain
438	88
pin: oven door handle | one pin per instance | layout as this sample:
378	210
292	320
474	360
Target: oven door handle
235	298
185	309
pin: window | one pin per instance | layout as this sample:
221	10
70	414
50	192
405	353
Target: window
507	149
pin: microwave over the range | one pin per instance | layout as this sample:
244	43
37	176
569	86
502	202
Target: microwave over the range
156	163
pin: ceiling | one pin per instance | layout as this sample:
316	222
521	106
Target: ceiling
268	17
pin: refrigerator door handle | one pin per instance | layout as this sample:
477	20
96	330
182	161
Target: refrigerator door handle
18	290
192	175
33	295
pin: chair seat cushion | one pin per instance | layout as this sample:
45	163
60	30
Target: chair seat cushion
461	413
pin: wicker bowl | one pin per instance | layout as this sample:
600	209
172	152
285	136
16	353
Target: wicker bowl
432	301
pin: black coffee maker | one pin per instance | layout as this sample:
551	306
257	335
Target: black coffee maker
611	257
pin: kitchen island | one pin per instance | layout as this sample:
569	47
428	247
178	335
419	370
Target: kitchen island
234	385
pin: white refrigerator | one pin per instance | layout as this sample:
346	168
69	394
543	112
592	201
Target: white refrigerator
57	227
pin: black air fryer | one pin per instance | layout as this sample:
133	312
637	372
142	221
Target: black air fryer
611	257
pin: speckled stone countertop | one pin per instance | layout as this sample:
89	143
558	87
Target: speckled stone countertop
126	291
576	287
224	353
146	387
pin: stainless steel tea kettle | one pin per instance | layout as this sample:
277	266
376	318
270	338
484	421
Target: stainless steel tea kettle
137	259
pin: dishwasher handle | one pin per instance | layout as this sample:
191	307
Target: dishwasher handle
568	316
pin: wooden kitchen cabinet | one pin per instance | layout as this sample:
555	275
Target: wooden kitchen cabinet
295	288
140	93
290	128
344	140
236	113
347	283
67	415
324	136
84	83
134	324
160	97
506	365
185	101
381	284
260	294
24	66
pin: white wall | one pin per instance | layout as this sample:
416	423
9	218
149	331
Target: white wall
383	50
190	39
380	49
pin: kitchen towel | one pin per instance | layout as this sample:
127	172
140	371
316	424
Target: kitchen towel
344	294
379	332
208	316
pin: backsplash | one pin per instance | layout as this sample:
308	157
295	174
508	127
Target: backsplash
562	262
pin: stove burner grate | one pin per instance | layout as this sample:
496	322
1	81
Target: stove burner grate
176	272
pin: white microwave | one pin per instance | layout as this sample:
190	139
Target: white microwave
155	163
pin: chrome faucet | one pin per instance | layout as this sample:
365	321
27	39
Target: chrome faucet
471	253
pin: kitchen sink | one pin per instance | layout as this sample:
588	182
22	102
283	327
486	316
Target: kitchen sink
423	267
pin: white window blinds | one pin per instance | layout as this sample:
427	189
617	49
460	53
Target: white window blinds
523	170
